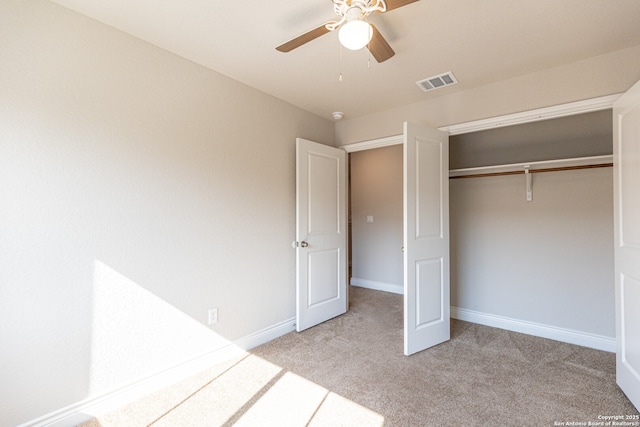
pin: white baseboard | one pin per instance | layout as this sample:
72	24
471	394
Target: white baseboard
85	410
570	336
267	334
378	286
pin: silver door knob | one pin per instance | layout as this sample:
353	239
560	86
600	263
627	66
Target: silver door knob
304	244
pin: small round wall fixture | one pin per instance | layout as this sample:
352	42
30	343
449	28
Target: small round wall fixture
337	115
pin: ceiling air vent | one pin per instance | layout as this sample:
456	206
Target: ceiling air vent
436	82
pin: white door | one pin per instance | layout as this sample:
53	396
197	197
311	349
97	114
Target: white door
321	233
426	238
626	169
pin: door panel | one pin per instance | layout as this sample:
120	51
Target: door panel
629	177
626	162
428	188
322	191
426	238
429	299
323	283
321	233
630	298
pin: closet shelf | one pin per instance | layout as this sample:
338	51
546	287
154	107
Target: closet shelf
540	166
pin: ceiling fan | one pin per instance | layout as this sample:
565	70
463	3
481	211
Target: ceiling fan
354	30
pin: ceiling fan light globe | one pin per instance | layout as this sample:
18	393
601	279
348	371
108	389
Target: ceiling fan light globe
355	34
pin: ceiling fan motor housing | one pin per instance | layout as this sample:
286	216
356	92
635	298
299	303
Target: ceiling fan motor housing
349	10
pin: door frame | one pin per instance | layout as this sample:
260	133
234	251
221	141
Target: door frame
546	113
423	323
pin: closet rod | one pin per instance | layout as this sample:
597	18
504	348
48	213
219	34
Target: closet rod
556	169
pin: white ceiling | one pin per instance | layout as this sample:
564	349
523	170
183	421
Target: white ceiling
479	41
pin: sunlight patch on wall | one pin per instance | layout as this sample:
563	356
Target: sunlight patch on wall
136	334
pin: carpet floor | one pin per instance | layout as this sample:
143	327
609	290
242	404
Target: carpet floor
351	371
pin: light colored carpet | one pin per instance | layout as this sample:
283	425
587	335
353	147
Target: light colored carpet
350	371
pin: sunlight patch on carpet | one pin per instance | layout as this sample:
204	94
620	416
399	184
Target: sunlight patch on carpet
296	401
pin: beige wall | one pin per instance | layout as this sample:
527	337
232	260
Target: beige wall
138	190
376	190
603	75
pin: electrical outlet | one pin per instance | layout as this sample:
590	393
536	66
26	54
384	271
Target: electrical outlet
213	315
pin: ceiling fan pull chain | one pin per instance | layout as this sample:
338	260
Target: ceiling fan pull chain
340	76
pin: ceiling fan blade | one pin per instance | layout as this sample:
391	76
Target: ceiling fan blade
394	4
304	38
379	47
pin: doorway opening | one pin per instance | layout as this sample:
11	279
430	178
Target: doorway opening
376	219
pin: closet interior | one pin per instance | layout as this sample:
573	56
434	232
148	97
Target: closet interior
531	222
